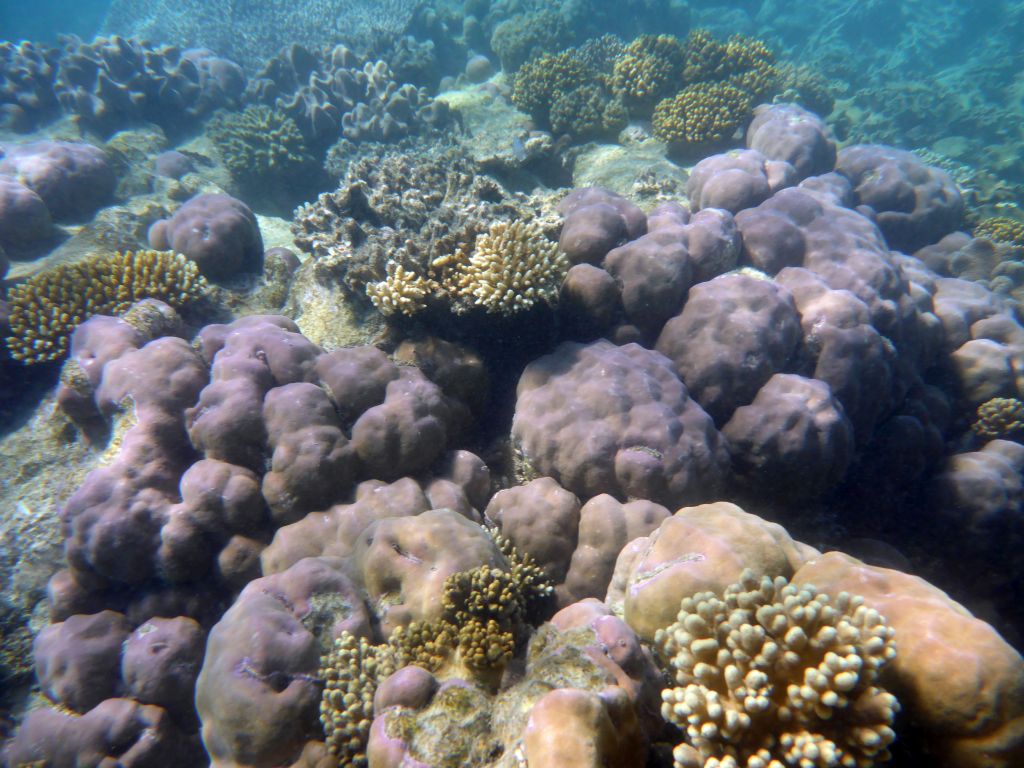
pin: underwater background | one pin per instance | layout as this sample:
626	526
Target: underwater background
512	383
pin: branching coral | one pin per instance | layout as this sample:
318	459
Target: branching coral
1001	229
701	114
484	620
773	675
260	144
47	307
1000	417
512	268
540	82
649	69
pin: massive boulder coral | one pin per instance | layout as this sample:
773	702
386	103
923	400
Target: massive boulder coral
734	333
217	232
915	204
632	430
72	179
735	701
960	682
698	549
792	134
736	180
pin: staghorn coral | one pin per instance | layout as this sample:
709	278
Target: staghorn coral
512	268
47	307
484	620
649	69
771	674
259	144
701	114
1001	229
999	417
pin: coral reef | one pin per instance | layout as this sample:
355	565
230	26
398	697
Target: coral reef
46	308
1001	229
27	97
773	673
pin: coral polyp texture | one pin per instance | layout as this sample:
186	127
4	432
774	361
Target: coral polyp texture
47	307
999	417
771	674
701	114
1001	229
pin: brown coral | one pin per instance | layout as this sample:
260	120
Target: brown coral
1001	229
649	69
999	417
701	114
47	307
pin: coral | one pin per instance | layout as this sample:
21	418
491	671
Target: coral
999	417
217	232
539	83
47	307
27	97
484	614
351	674
585	113
774	674
409	207
402	291
113	82
526	36
249	33
73	179
1001	229
600	418
649	69
807	87
259	145
701	114
741	61
513	266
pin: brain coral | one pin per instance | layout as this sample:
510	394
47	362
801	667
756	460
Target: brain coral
772	674
47	307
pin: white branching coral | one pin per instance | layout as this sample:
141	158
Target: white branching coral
513	267
772	675
402	291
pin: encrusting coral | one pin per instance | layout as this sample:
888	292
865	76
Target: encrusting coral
771	675
485	617
999	417
47	307
511	268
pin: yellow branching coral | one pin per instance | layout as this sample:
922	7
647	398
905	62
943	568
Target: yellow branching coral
512	268
351	674
772	675
648	69
1001	229
47	307
484	619
701	114
999	417
541	81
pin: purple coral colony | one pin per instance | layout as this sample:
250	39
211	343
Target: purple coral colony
513	384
